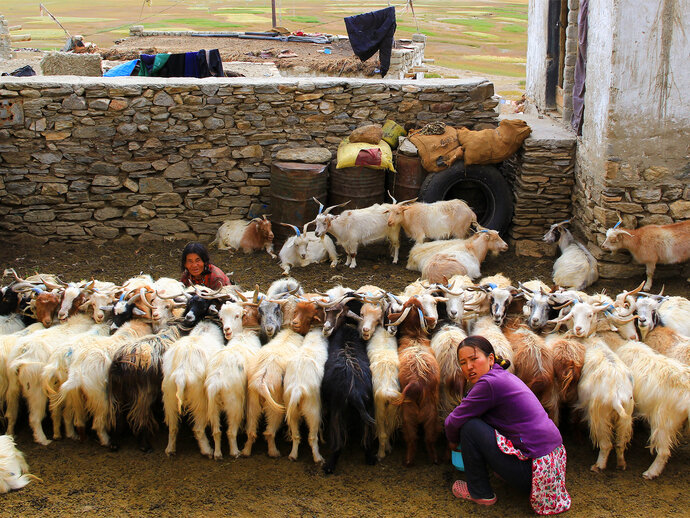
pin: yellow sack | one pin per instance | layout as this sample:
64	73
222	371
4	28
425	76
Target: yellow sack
492	146
373	156
391	131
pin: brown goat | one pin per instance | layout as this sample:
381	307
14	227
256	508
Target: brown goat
307	313
419	377
534	365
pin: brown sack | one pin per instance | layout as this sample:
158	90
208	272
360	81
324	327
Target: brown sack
438	152
492	146
371	134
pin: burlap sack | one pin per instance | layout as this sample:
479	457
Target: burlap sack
438	152
492	146
371	134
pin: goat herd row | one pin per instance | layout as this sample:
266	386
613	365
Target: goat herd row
292	355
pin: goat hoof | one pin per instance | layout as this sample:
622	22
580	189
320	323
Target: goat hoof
44	442
622	467
595	468
648	476
170	453
293	459
218	456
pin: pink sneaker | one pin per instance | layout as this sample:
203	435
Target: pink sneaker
460	490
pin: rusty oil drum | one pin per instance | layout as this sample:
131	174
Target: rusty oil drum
293	185
405	184
362	186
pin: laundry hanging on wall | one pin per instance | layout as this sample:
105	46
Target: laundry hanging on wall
372	32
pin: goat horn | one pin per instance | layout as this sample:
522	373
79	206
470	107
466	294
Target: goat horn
406	202
449	291
241	296
560	319
422	323
255	298
392	198
297	231
353	315
12	271
320	204
142	294
402	317
396	299
329	209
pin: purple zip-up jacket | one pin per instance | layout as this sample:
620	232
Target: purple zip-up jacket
504	402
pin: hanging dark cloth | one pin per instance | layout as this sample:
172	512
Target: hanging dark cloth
371	32
210	63
580	68
191	65
174	66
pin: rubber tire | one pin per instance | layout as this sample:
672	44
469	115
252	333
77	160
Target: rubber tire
496	196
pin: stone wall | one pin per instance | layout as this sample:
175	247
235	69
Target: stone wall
5	40
543	178
149	158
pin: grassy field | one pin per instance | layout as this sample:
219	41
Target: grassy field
483	36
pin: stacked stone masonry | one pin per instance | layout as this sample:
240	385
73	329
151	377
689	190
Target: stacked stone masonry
570	58
149	158
5	40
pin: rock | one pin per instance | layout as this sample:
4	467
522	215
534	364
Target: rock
106	181
105	232
48	158
139	213
70	64
170	199
213	123
308	155
248	152
206	204
680	209
124	240
163	99
36	216
154	185
619	271
167	226
178	170
53	189
118	104
219	152
107	213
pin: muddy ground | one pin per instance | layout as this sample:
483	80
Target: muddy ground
83	479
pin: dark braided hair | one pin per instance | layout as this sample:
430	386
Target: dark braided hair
481	343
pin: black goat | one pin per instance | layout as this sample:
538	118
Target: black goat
197	308
134	385
347	393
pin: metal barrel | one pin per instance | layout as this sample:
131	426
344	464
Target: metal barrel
362	186
293	185
409	178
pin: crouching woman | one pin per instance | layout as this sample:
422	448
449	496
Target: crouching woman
501	425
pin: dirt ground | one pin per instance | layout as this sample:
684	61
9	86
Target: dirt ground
87	480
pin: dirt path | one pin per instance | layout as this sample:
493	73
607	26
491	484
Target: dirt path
87	480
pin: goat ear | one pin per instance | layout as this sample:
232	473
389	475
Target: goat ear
138	312
318	319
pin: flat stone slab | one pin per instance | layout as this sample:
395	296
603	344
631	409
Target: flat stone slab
308	155
68	64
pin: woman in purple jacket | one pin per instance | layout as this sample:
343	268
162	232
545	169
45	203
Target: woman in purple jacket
500	424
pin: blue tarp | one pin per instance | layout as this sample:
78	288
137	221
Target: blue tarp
125	69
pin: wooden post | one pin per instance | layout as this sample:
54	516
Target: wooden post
273	13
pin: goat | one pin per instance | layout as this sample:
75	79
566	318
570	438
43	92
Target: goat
457	294
661	390
73	296
357	227
272	307
501	294
11	323
537	308
438	220
55	373
309	311
605	395
568	359
372	310
382	351
468	254
226	377
265	388
672	312
248	236
134	385
103	295
88	376
305	248
669	343
420	377
184	374
534	366
25	365
14	471
347	393
651	244
582	317
576	267
444	343
302	391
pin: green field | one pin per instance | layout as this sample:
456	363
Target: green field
486	37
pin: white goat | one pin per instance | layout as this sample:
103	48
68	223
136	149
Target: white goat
11	323
13	468
249	235
458	256
439	220
501	294
661	393
384	363
444	343
25	365
184	374
305	248
265	388
55	373
226	377
605	395
302	390
672	312
669	343
88	376
359	227
576	267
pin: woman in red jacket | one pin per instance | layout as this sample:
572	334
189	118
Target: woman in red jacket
197	268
